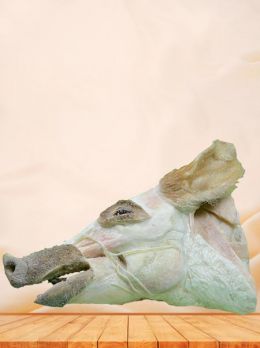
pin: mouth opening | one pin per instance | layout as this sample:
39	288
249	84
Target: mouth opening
65	288
58	279
56	276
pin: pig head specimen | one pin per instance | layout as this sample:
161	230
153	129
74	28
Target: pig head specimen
180	242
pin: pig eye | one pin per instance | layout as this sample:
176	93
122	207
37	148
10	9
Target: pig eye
121	213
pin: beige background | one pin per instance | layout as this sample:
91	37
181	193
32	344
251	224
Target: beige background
99	99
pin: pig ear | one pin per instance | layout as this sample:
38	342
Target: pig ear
212	175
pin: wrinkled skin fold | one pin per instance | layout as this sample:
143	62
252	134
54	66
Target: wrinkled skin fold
180	242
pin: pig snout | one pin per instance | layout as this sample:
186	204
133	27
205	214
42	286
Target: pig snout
47	264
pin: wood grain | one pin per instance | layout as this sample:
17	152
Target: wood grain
115	333
196	337
140	333
243	321
132	331
8	338
16	323
48	326
166	335
90	334
8	319
59	338
228	334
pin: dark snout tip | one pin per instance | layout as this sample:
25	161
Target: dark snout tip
12	267
9	262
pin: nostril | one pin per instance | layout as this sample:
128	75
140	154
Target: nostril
15	270
10	266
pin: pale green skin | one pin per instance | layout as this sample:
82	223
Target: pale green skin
187	248
166	260
196	258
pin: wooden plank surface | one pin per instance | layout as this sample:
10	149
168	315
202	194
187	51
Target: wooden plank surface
243	321
115	333
16	323
15	332
11	318
140	333
166	335
27	336
196	337
228	334
59	338
89	335
47	327
132	331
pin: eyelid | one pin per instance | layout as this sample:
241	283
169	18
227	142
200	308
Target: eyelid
134	214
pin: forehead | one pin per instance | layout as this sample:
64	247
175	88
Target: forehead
152	200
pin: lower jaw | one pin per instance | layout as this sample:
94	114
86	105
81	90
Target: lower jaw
61	293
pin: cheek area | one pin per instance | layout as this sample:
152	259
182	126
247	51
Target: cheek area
93	245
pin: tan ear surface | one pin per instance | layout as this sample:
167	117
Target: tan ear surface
219	225
212	175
